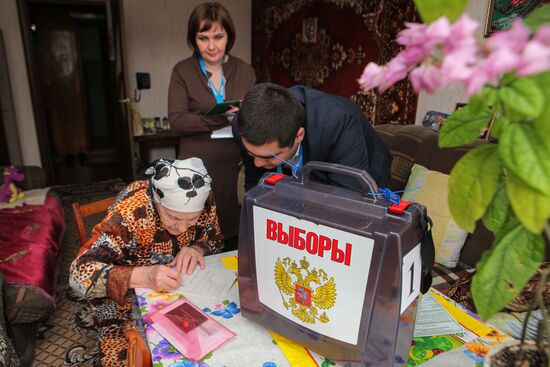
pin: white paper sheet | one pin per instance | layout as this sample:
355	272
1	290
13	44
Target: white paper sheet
211	283
223	133
432	319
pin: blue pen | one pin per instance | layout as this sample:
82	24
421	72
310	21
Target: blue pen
158	258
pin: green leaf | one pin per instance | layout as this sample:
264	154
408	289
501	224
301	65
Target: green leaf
523	96
524	152
542	122
497	212
482	101
531	206
501	123
473	183
538	18
503	271
431	10
463	127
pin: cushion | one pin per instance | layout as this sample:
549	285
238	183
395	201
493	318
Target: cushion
430	188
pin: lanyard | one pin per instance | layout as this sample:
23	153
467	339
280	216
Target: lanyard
220	96
295	167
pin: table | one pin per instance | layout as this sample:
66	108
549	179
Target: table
255	346
146	142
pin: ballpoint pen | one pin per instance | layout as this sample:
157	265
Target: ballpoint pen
158	258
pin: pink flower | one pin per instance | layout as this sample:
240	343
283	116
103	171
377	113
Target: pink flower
499	62
462	36
427	78
458	65
372	77
396	70
424	36
543	35
477	79
513	39
534	59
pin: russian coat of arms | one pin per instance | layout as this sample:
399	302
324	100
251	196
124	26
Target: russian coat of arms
303	291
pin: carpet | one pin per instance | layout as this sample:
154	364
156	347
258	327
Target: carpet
67	337
325	44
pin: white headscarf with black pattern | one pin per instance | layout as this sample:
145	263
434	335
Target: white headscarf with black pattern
180	185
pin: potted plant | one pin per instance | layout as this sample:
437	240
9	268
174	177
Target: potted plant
505	184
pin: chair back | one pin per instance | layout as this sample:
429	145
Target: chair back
82	211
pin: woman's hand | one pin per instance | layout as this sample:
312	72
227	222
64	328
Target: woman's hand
187	259
230	113
158	277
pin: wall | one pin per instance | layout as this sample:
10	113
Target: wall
9	23
155	41
446	99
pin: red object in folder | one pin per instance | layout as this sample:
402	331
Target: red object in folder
191	331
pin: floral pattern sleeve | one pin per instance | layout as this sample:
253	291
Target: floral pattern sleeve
208	236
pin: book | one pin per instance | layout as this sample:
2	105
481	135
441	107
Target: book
223	107
191	331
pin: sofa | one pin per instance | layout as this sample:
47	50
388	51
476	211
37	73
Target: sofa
409	145
33	231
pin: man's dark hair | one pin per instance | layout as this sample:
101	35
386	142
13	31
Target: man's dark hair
270	112
211	13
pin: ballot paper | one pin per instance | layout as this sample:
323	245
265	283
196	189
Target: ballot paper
222	133
432	319
209	283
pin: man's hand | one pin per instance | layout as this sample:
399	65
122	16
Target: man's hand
158	277
187	259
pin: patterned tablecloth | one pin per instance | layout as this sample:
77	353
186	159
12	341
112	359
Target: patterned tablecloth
256	347
253	346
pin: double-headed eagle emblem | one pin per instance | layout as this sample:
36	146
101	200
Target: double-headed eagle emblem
304	298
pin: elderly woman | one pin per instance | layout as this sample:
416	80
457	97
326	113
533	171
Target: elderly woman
156	231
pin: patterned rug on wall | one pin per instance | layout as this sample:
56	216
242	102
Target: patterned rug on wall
67	337
325	44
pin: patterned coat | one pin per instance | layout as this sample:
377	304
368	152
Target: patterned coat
125	239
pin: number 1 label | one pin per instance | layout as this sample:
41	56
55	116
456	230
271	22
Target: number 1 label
410	277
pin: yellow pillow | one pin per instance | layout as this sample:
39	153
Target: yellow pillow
432	189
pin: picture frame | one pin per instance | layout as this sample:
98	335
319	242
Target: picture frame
309	30
501	13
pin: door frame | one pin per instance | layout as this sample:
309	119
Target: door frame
36	100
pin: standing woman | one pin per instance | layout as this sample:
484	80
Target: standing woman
208	77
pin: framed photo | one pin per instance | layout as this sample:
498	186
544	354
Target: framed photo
501	13
309	30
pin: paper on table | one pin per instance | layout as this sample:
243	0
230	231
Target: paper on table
223	133
432	319
463	318
210	283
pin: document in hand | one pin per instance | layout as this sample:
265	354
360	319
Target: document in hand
192	332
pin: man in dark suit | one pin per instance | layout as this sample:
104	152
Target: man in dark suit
279	127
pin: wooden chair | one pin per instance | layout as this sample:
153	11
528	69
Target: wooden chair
82	211
138	352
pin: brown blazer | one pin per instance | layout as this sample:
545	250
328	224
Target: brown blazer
189	98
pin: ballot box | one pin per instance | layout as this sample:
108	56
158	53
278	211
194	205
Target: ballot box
336	270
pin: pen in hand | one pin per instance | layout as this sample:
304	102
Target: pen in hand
158	258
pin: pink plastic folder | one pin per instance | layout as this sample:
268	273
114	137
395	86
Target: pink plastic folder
192	332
